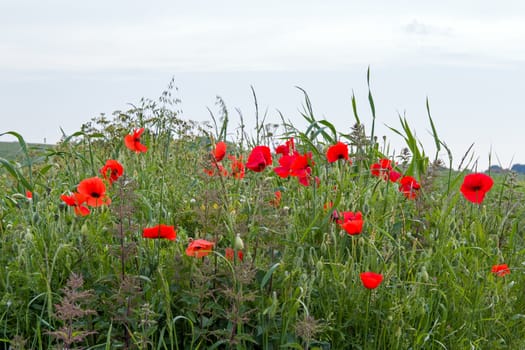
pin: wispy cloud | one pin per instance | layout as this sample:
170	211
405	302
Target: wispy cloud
419	28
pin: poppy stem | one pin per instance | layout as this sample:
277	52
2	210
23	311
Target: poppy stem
354	249
121	235
157	243
366	318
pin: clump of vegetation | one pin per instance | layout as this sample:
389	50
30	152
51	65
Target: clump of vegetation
143	230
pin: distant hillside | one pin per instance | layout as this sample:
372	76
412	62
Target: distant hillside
12	150
518	168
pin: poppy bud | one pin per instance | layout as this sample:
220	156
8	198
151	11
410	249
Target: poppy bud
424	274
28	236
238	244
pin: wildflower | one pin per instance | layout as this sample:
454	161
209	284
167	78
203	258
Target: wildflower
384	170
409	187
114	168
393	175
199	248
220	151
94	190
475	186
160	231
286	149
77	201
351	222
500	270
29	195
380	168
371	280
301	168
259	158
285	162
237	167
277	199
133	141
216	168
336	152
229	253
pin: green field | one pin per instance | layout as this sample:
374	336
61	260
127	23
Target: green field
13	150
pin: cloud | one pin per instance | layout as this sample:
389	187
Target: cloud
418	28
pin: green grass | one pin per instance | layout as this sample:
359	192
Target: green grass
298	285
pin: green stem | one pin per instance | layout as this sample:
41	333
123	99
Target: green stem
366	319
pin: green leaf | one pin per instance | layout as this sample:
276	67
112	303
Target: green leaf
268	274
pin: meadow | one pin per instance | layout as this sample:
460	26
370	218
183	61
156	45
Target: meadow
146	231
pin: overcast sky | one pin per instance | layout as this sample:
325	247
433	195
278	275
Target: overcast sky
63	62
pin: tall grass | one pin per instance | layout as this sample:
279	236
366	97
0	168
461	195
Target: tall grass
298	283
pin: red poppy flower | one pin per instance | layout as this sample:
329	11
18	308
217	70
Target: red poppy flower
220	151
114	168
94	190
409	187
371	280
29	195
384	170
394	175
305	180
301	165
500	270
216	169
475	186
285	162
199	248
133	141
286	149
301	168
336	152
351	222
237	167
77	201
229	254
383	166
277	200
259	158
160	231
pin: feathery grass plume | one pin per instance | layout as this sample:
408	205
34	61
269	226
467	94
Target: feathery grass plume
307	328
18	343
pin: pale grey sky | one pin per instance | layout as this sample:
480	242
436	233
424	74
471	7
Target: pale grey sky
64	62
